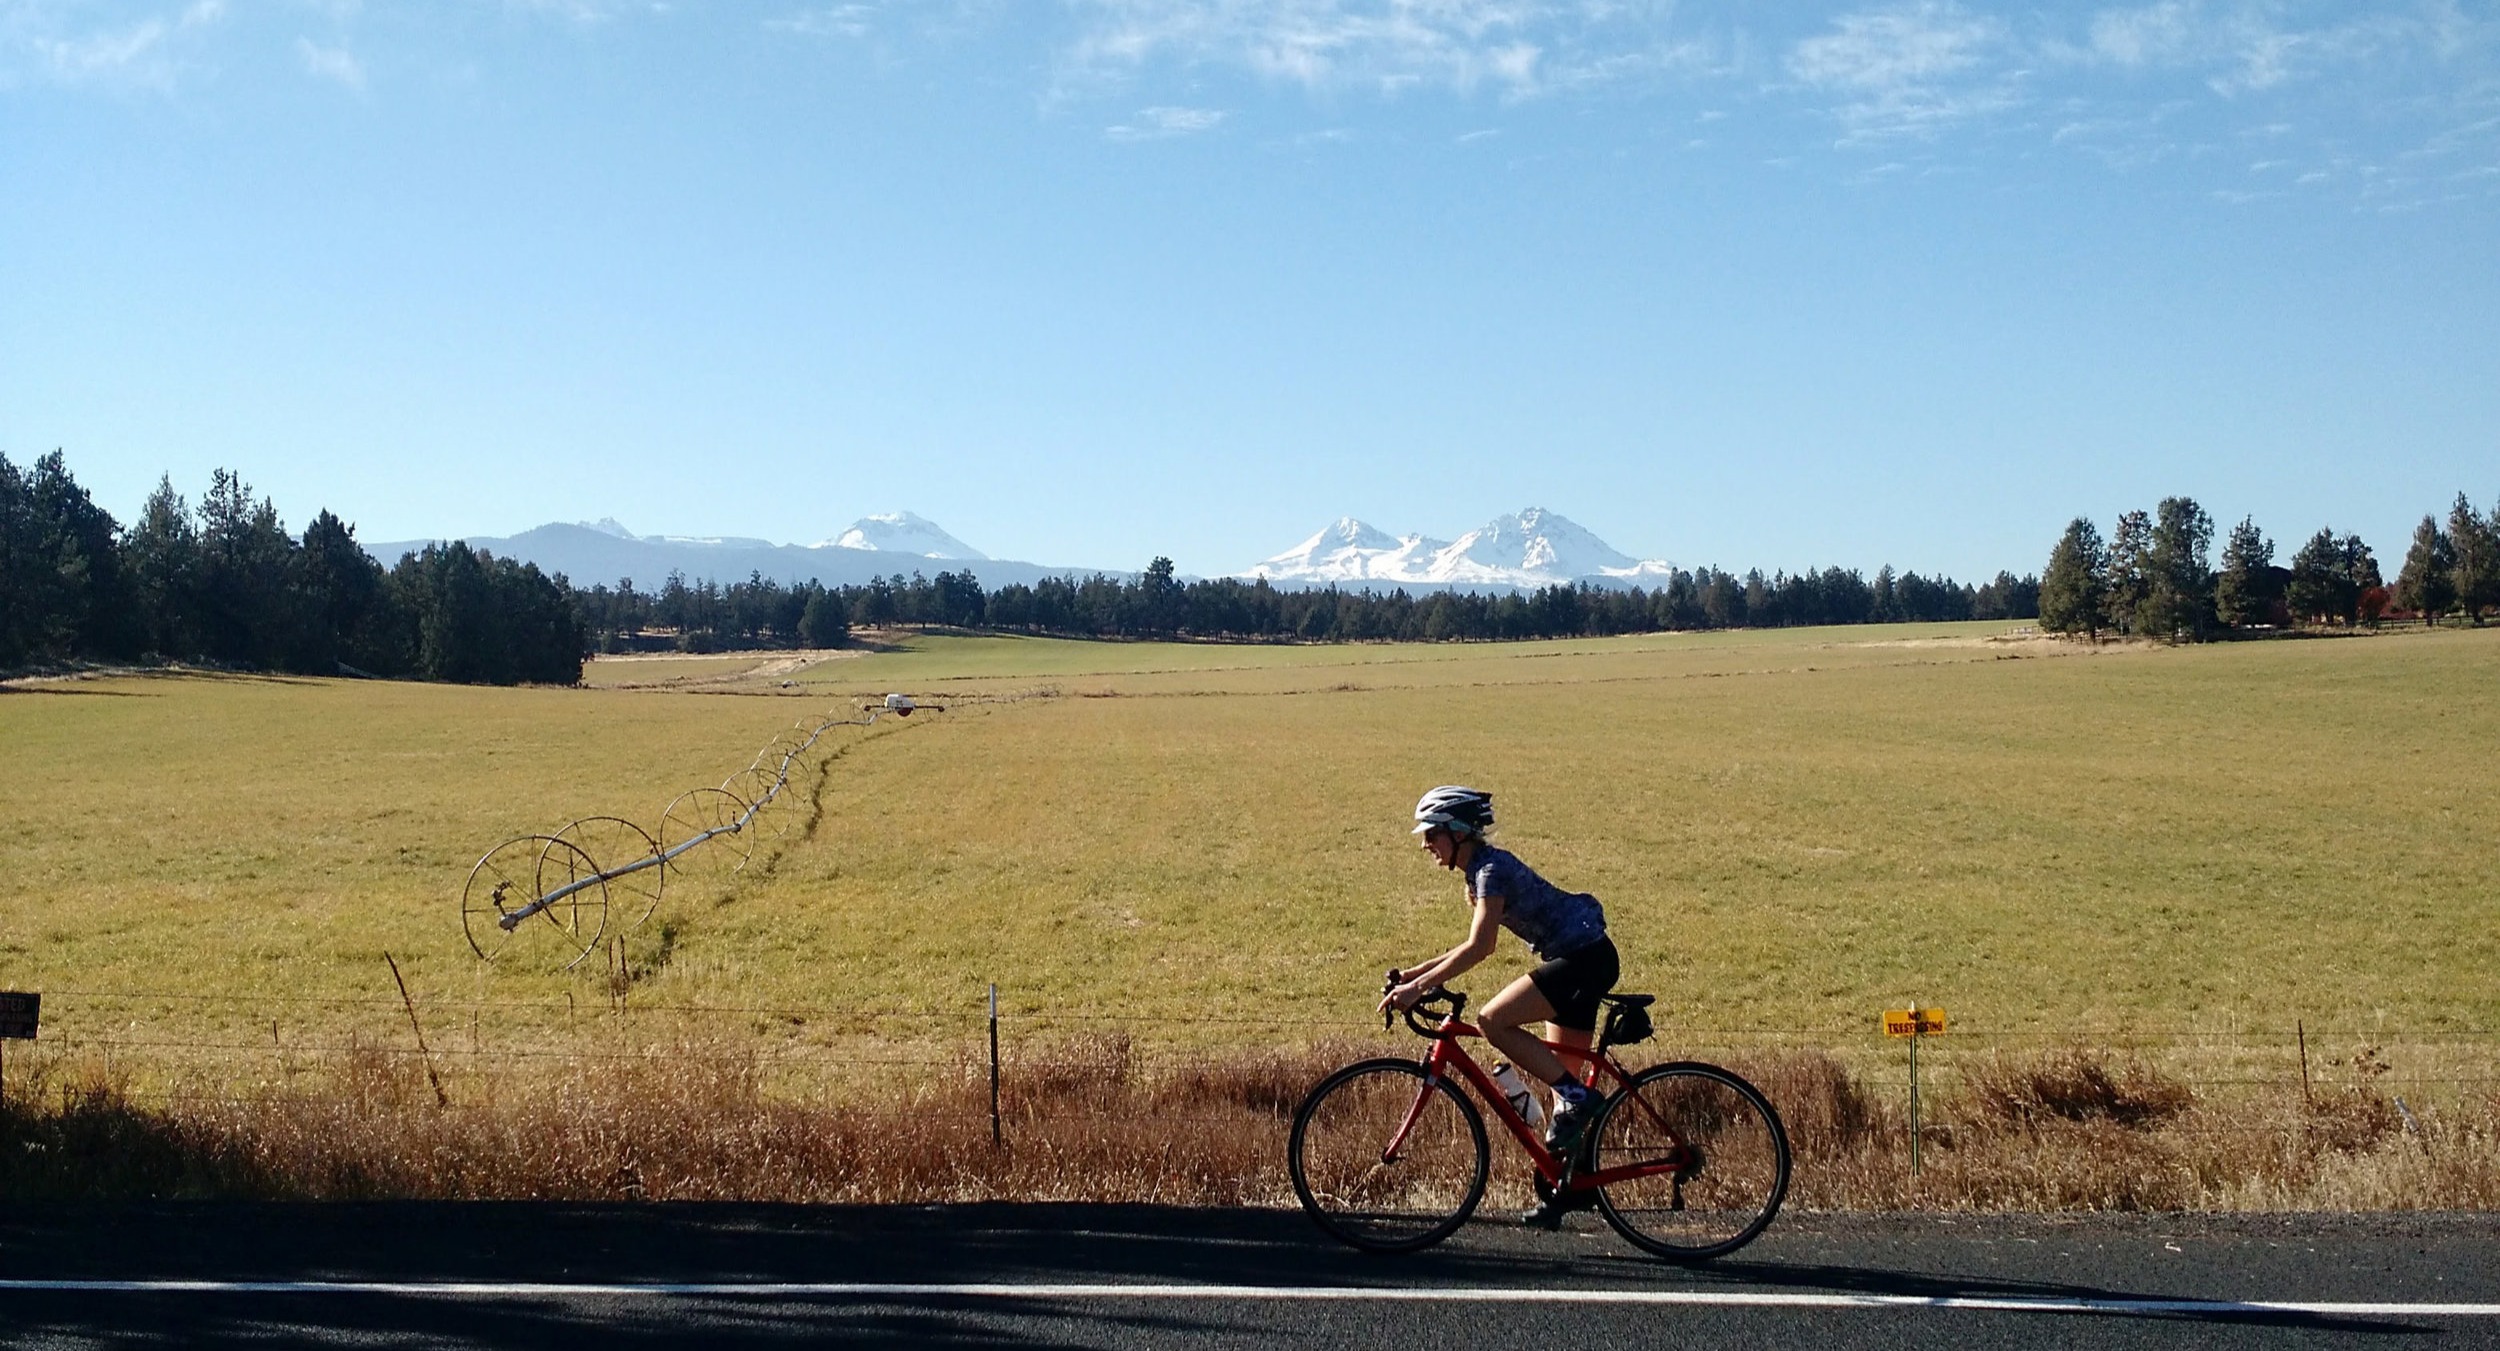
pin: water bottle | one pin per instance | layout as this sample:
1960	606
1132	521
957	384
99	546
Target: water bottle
1516	1089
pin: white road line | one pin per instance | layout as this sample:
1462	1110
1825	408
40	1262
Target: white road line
1336	1293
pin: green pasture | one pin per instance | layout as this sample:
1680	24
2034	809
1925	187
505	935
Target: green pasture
1791	831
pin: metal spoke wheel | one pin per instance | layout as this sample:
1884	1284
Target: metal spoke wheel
504	879
1373	1187
580	916
699	812
786	749
1714	1158
763	790
613	843
513	876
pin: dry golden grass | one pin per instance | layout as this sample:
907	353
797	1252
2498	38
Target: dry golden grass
1086	1120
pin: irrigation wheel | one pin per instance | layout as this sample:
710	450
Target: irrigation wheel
694	813
613	843
761	789
513	876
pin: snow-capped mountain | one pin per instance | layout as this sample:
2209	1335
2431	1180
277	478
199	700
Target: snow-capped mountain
1350	551
900	532
1533	548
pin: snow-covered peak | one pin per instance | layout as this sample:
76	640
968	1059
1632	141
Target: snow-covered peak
1534	548
607	525
901	532
1346	551
1536	542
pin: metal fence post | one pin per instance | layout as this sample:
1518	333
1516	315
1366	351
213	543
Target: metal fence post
998	1135
1915	1038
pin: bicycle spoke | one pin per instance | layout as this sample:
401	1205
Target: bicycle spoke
1384	1160
1702	1159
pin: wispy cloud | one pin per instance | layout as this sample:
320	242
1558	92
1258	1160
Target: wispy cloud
2153	35
150	52
331	63
1164	123
577	11
1517	48
829	21
1909	70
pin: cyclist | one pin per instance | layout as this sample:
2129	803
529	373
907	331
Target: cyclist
1567	930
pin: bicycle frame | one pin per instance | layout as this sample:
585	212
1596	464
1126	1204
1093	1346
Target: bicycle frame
1446	1054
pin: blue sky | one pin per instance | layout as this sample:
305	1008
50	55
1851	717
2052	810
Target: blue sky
1086	281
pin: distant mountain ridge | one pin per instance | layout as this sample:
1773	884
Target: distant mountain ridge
1530	549
599	552
903	533
1524	551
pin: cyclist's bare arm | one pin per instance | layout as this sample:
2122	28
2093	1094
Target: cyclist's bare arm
1482	932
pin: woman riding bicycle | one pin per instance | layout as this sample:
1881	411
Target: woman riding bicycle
1567	930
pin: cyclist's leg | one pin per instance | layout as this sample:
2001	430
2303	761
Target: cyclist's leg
1504	1019
1572	986
1578	1039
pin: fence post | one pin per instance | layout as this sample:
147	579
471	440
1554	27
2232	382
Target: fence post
441	1098
1914	1041
998	1135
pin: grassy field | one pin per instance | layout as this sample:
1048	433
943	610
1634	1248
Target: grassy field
1791	831
1185	867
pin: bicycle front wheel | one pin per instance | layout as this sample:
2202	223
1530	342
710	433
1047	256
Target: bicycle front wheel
1703	1157
1386	1159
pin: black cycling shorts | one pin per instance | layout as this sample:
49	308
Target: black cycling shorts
1573	982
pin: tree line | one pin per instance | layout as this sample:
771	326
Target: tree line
761	612
226	584
2155	577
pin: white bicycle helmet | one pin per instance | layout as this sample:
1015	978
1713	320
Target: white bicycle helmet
1466	810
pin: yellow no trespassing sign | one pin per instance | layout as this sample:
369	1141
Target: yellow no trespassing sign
1913	1022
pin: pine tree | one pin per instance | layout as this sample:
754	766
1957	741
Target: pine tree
161	555
246	603
2244	592
2129	569
2476	543
2315	590
825	622
61	592
345	608
2178	581
2074	586
2359	580
2427	585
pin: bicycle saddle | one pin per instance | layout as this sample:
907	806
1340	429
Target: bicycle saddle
1629	1001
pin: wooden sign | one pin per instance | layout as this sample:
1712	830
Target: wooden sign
1913	1022
18	1013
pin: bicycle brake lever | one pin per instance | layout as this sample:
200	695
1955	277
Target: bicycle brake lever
1389	1016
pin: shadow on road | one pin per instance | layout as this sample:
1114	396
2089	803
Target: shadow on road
737	1244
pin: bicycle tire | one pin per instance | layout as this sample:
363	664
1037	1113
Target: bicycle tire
1340	1133
1738	1180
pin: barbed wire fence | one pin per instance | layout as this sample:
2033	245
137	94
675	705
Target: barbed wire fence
560	1096
829	1042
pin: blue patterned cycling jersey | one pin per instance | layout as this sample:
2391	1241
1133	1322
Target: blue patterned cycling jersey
1554	922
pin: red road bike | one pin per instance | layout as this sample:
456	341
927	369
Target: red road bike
1686	1160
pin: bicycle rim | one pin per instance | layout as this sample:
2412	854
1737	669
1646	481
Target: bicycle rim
1414	1199
1731	1155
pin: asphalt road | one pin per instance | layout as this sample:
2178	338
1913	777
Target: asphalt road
626	1276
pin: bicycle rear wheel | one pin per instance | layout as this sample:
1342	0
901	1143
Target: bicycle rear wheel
1714	1158
1362	1192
